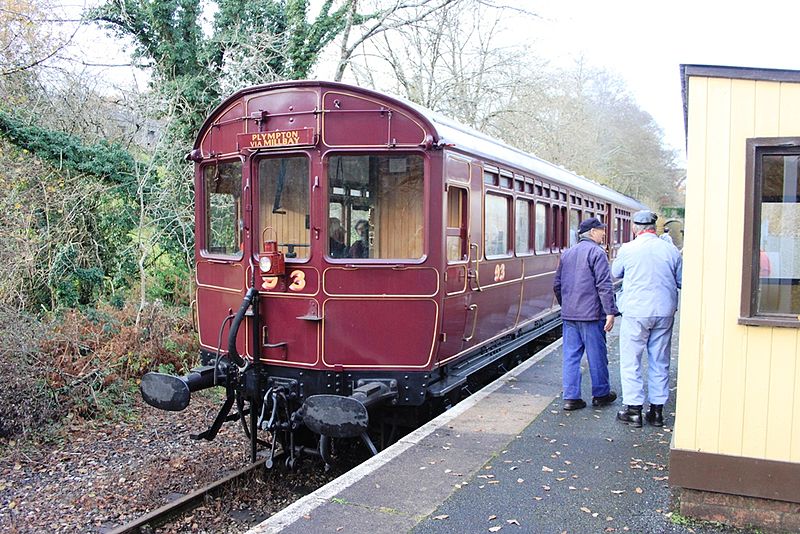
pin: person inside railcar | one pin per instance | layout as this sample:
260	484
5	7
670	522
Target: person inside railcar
652	274
360	248
583	289
336	245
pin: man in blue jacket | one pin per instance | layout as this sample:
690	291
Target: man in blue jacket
652	273
583	288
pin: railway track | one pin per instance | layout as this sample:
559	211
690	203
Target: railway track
164	515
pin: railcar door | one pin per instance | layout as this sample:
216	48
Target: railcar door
456	305
221	247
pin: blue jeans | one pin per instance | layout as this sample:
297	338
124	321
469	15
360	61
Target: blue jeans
588	336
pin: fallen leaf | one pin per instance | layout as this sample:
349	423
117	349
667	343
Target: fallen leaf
538	498
339	529
513	467
520	480
659	479
617	492
546	469
584	509
546	488
492	517
573	488
609	518
561	479
495	529
440	517
639	490
512	522
594	514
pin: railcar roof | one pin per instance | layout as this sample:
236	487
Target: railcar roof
462	137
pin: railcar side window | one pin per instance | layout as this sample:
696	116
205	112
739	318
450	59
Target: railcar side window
375	206
456	224
522	240
541	228
283	188
496	225
574	222
223	207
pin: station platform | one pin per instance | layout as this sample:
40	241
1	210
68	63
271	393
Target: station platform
509	459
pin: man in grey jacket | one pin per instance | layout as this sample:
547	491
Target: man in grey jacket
583	288
651	270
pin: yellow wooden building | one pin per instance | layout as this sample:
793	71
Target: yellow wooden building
736	447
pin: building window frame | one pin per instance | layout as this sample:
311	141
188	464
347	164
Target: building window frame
758	147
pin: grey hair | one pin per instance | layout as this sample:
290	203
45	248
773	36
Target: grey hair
584	234
642	227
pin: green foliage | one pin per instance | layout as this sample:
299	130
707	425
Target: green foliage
168	37
65	151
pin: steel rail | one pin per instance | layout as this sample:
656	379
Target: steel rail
161	516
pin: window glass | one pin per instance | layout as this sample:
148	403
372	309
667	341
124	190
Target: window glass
522	228
284	207
574	222
456	224
496	230
778	281
375	206
541	228
223	206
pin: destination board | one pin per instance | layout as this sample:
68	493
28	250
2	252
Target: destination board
278	138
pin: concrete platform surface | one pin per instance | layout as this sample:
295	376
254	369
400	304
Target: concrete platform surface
508	459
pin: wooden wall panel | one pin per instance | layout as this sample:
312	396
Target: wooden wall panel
738	387
400	217
781	387
691	296
713	285
290	227
734	336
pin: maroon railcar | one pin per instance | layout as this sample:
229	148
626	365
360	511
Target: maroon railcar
379	256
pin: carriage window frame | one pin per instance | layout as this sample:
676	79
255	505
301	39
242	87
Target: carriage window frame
528	203
544	226
486	237
261	198
349	223
461	231
204	250
756	148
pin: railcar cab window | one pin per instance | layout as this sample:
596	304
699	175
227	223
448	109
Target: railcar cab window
284	206
496	225
222	191
771	270
375	206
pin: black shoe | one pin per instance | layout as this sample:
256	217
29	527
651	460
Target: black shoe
605	400
574	404
632	415
655	416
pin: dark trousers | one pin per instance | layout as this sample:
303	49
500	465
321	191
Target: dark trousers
589	336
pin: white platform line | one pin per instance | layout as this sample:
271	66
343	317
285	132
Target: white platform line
307	504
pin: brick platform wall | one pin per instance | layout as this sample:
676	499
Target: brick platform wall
738	511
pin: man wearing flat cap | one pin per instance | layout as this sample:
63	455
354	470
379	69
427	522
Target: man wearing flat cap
651	270
583	288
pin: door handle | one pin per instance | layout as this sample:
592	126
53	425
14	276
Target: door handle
472	308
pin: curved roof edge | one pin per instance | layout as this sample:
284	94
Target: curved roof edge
450	132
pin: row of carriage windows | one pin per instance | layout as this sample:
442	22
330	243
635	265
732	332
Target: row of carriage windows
376	211
539	227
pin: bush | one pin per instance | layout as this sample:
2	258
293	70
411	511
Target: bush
86	362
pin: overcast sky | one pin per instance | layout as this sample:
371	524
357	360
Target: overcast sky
645	42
